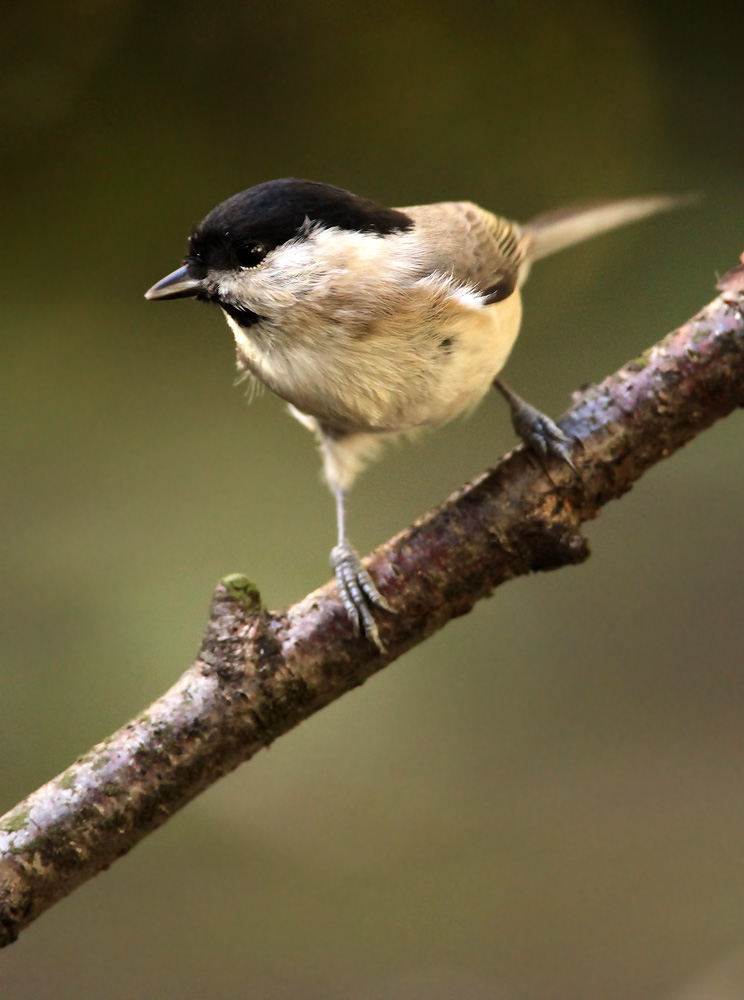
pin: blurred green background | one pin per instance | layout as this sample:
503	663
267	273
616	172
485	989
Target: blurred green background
543	801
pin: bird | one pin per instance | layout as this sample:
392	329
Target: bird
375	322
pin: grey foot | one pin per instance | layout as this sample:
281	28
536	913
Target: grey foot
358	592
541	434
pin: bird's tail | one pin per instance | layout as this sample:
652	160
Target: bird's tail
554	231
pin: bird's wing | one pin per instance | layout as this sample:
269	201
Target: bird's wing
479	250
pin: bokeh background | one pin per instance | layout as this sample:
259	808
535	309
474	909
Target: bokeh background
545	800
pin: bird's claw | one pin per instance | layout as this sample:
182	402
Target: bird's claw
358	591
542	435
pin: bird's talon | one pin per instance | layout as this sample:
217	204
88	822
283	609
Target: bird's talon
541	434
370	589
559	446
358	591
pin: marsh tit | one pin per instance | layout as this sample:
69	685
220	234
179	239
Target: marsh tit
373	322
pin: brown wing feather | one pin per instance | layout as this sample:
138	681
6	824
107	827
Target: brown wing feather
477	248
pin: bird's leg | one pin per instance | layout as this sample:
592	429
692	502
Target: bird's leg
541	434
355	585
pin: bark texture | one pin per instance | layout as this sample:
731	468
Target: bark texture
260	673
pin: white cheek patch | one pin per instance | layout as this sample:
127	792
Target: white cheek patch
290	258
321	251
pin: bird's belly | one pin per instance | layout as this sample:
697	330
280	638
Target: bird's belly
396	380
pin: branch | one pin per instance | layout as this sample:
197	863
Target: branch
259	673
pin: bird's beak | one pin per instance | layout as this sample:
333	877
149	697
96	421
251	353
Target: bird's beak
175	286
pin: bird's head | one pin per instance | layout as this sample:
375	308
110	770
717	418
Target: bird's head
245	239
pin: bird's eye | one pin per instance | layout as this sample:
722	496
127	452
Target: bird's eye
251	254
